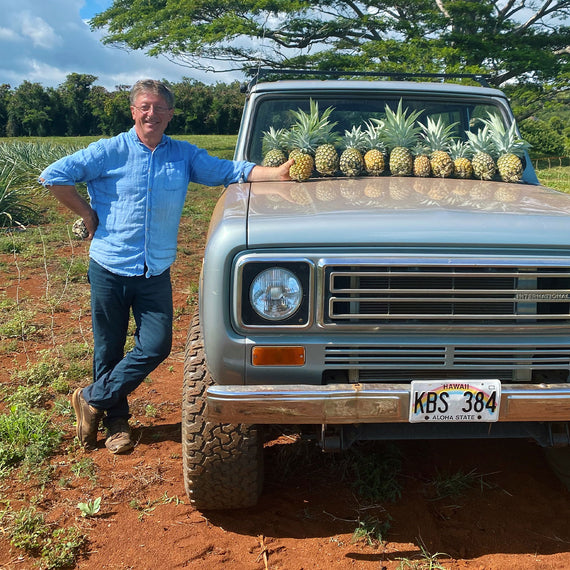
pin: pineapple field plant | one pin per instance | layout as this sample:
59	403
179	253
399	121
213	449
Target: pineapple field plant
437	138
482	150
351	160
274	145
509	148
374	157
401	134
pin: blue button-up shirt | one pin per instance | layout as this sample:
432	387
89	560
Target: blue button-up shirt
138	195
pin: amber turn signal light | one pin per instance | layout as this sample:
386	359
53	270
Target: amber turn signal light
278	356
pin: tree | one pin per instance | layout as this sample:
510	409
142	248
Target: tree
510	39
28	111
5	93
193	105
111	111
74	93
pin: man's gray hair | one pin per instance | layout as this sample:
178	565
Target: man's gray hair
152	86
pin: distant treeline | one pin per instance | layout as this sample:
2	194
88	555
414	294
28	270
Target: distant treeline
79	108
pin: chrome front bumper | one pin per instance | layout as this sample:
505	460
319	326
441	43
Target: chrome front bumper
367	403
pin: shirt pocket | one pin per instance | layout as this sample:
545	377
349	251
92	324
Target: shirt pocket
173	176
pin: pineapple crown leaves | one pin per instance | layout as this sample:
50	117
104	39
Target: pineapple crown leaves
505	141
481	141
436	134
373	136
274	139
311	129
458	149
400	127
420	149
354	138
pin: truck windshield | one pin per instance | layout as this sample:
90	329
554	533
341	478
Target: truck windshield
354	110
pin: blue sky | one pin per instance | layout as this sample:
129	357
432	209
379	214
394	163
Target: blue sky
43	41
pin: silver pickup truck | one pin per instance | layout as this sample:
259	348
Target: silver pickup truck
375	307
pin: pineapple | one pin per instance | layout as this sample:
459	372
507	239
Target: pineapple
421	167
351	160
458	150
273	147
326	159
311	137
481	146
374	161
509	147
308	132
437	137
401	133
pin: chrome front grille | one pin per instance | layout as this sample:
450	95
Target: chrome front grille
402	363
461	293
549	357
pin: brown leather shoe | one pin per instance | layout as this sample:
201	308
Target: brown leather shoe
88	419
119	436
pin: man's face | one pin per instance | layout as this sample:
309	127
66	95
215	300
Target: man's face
151	115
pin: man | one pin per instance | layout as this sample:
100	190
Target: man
137	184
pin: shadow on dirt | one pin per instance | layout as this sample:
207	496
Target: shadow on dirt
159	433
463	498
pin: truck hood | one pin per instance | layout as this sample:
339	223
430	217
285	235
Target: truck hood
404	211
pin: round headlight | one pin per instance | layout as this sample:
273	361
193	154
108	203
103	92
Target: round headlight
275	293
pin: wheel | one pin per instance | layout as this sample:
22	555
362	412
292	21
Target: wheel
222	463
559	460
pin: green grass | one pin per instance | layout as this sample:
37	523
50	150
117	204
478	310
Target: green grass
557	177
26	437
28	530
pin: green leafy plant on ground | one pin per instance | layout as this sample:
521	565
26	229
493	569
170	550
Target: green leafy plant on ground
90	508
455	484
28	530
422	561
376	475
26	436
372	531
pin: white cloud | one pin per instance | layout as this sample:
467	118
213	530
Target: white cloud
45	40
39	31
7	35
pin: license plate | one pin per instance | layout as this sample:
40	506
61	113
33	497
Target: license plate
455	401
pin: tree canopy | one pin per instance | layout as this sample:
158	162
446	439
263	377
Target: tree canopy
509	39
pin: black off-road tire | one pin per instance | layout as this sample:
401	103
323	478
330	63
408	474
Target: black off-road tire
222	463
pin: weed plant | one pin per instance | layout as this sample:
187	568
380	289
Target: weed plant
376	472
26	436
28	530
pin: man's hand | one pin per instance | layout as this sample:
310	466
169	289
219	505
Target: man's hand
70	198
268	173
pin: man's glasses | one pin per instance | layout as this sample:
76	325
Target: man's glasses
157	109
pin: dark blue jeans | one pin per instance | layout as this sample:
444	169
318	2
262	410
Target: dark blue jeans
116	374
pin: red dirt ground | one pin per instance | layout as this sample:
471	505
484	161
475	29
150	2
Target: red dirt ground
516	518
